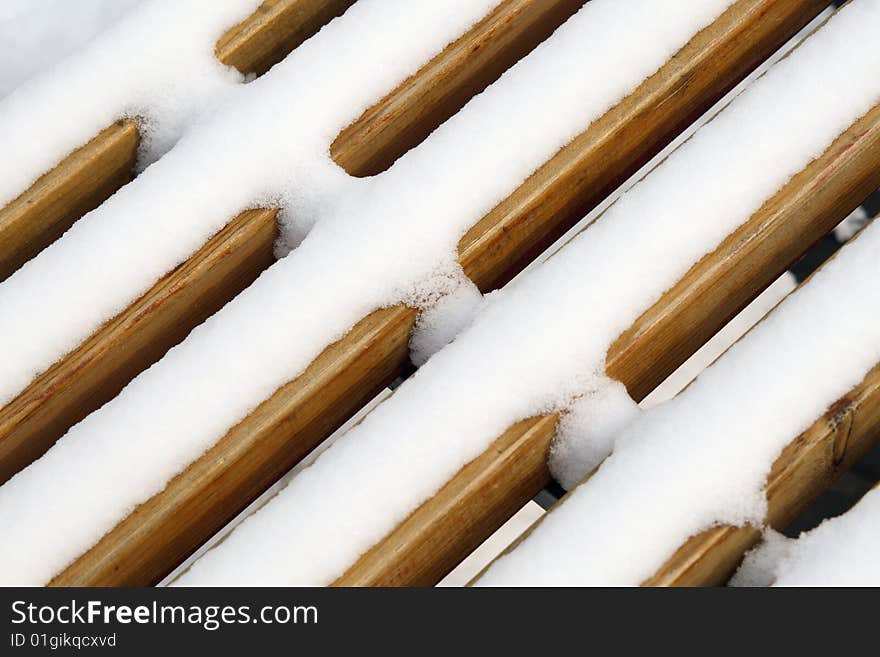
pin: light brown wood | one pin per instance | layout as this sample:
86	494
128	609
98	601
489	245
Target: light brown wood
97	370
76	386
440	88
275	29
92	173
812	203
84	180
189	511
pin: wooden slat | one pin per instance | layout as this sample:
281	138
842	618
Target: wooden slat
192	507
714	290
247	460
410	113
275	29
91	174
77	385
598	161
805	468
100	367
84	180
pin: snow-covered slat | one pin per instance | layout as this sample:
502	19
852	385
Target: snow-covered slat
92	172
804	469
188	504
560	321
730	449
96	370
409	114
489	489
276	28
842	551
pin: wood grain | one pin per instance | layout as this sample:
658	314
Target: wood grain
84	180
806	467
275	29
91	174
440	88
93	373
189	511
812	203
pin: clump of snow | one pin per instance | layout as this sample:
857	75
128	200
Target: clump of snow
760	563
37	33
585	434
703	458
841	551
157	63
537	344
376	241
449	303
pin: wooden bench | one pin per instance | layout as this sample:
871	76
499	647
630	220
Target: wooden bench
159	534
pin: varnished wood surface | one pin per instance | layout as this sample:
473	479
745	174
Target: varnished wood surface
275	29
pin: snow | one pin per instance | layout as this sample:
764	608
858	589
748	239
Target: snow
841	551
703	458
156	62
760	563
540	343
38	33
585	435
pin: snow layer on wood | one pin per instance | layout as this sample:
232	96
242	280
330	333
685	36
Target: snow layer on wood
703	457
380	244
268	145
37	33
721	341
157	63
541	342
842	551
760	563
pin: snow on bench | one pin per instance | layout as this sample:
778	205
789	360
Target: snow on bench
541	344
703	459
150	72
98	367
333	273
841	551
